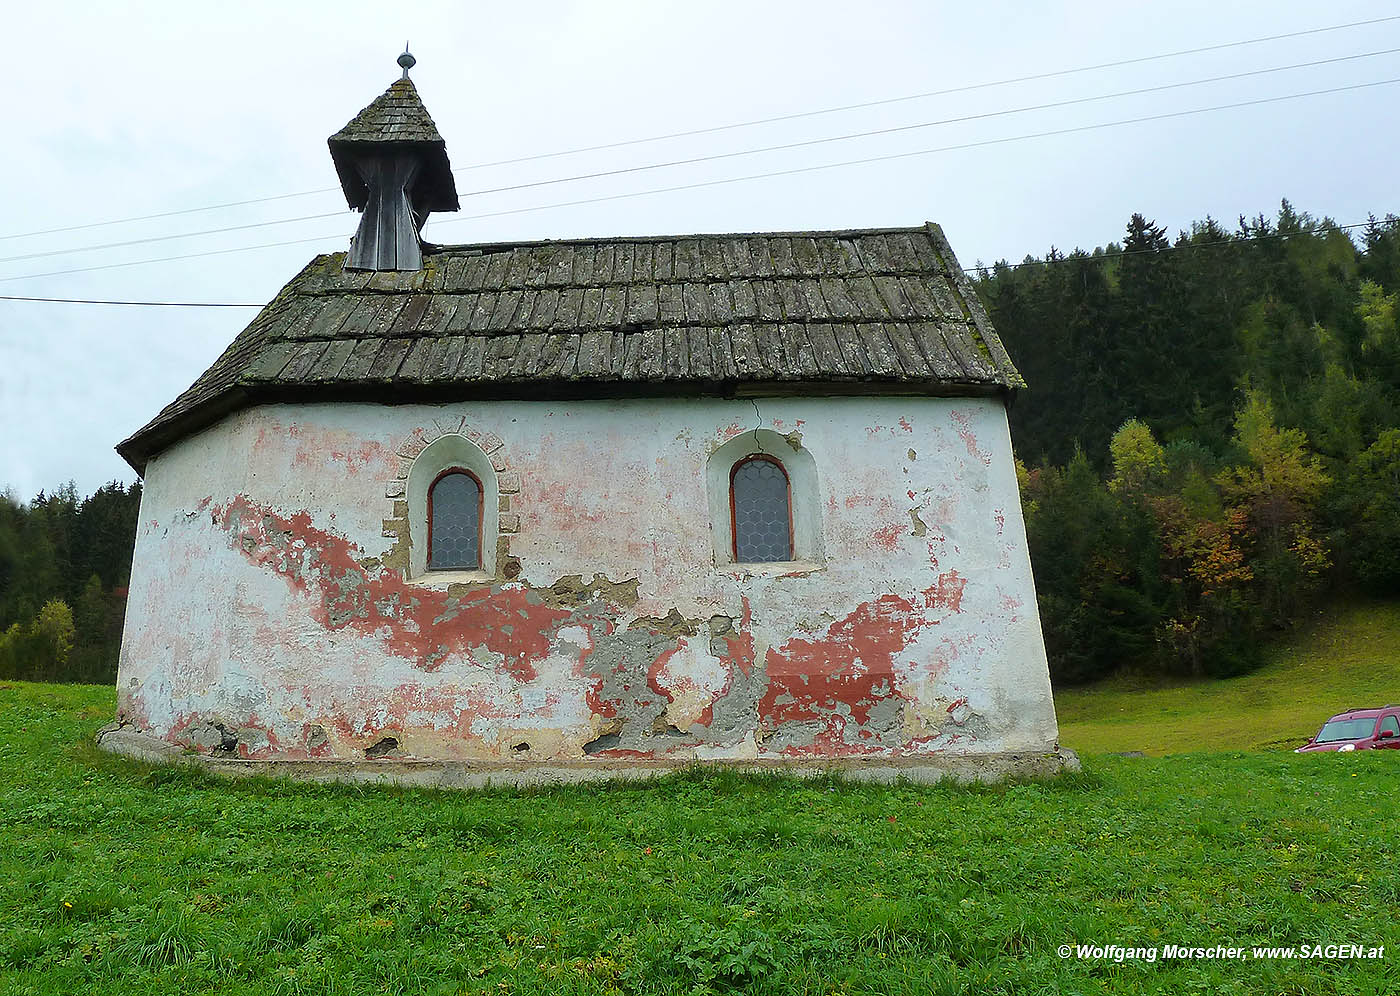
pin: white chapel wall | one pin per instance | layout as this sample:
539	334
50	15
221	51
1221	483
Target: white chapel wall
276	588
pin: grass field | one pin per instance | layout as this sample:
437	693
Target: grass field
1349	658
116	877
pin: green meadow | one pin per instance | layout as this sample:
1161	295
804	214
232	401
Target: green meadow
118	877
1346	659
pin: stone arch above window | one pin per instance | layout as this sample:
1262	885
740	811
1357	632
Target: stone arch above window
449	444
747	506
442	456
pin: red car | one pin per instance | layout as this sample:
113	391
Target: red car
1357	729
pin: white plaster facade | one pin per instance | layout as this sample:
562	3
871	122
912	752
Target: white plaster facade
277	599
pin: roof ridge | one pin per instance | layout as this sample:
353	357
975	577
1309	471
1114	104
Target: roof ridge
432	248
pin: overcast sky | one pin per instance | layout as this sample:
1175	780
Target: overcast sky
132	109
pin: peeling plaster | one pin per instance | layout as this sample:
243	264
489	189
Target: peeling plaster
270	616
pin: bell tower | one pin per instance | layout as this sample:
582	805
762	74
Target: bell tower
393	167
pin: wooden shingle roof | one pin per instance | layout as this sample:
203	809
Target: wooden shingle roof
869	311
396	115
396	118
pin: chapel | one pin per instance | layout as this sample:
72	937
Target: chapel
588	507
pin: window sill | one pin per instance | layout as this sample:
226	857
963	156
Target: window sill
444	579
775	569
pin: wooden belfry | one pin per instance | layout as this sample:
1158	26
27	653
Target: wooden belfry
393	166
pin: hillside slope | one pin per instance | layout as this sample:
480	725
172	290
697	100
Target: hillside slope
1347	659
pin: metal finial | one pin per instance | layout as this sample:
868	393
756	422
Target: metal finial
407	60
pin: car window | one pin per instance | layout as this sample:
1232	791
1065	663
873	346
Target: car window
1346	729
1392	724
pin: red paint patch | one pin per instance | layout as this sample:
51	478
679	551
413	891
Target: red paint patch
555	501
739	653
323	749
670	686
242	730
947	593
654	673
888	538
316	448
351	454
420	624
593	695
367	714
851	666
132	708
740	648
831	742
969	438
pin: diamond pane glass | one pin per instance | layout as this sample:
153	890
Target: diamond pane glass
762	521
456	510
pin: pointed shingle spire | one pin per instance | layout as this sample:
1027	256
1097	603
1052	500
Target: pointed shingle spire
393	165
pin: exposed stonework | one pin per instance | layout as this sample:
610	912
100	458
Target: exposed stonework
398	526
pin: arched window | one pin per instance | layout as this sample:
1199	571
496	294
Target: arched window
795	505
760	505
454	521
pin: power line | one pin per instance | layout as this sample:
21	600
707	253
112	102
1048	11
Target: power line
142	304
171	259
168	238
806	143
165	214
758	176
935	93
1078	255
909	155
747	124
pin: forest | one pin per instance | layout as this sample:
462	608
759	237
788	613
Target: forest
1210	443
64	566
1208	450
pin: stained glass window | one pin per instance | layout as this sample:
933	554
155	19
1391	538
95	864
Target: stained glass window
762	514
454	511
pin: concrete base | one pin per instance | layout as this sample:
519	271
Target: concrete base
961	768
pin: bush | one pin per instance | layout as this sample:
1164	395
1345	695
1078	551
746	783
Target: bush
39	651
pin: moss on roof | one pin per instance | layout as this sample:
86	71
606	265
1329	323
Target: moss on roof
866	311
